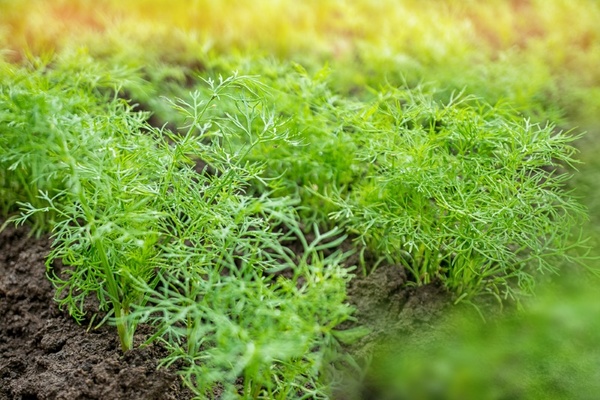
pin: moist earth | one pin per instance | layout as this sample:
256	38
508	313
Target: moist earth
45	354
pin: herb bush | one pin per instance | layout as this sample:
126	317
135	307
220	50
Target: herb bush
276	333
319	156
74	170
463	191
149	220
165	228
42	110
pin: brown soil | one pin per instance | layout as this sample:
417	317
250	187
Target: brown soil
44	354
392	311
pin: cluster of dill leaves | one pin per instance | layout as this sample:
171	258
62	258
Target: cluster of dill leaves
191	229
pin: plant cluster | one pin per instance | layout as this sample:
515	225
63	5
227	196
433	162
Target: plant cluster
457	190
164	228
190	229
465	192
42	112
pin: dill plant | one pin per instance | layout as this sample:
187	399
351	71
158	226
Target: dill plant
465	192
225	310
42	109
164	227
320	155
459	190
248	334
120	181
104	219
